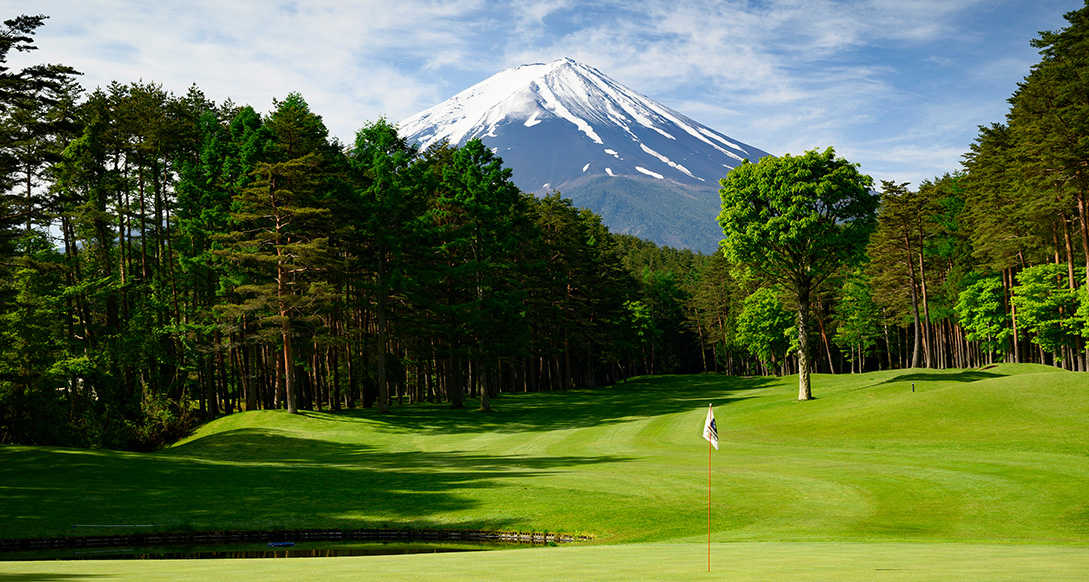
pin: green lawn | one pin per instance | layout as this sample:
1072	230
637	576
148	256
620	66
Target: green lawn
974	470
737	562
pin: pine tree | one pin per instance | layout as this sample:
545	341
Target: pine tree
281	234
390	189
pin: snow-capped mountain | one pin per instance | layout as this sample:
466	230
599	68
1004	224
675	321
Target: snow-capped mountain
646	169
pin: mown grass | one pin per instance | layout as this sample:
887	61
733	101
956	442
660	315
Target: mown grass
977	456
736	562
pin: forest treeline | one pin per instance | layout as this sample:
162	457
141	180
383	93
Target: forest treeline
165	259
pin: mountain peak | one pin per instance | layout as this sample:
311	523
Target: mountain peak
562	124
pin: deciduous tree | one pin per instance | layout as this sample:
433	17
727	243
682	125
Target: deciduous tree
795	220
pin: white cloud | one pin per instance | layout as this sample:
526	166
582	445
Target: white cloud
782	75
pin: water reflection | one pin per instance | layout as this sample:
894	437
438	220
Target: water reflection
247	551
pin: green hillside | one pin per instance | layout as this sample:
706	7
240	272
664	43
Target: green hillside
995	455
669	214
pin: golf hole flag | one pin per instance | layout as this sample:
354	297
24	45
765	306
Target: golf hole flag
710	431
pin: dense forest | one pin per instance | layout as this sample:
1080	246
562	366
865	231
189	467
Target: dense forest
165	259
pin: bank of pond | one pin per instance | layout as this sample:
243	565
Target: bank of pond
270	544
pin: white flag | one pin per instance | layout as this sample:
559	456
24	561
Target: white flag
710	431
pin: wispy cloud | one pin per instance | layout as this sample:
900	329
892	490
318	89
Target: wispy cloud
778	74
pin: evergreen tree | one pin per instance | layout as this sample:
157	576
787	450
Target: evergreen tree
281	234
1050	112
482	218
391	195
24	96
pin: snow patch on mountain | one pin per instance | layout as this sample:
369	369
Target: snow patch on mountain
643	170
581	116
667	161
566	126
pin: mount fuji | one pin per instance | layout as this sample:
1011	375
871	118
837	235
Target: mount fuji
644	168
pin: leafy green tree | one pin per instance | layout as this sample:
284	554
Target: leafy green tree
795	221
1082	314
857	318
644	334
981	308
764	328
1047	307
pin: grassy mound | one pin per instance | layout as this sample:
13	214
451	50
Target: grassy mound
995	455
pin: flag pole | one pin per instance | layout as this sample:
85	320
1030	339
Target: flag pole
710	432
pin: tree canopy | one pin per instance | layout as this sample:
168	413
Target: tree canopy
796	220
165	259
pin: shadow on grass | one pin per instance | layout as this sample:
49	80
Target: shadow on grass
965	376
49	577
256	446
542	411
255	479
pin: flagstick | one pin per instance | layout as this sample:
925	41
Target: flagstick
708	506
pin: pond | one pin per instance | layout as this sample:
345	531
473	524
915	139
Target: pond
317	549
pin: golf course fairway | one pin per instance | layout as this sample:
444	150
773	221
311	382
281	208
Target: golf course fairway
894	475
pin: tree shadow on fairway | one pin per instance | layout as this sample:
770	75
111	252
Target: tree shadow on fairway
257	446
541	411
252	479
48	577
964	376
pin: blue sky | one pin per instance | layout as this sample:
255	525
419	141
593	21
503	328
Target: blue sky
898	86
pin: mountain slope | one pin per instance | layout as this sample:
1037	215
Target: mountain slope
562	125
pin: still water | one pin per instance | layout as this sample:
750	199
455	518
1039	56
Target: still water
257	550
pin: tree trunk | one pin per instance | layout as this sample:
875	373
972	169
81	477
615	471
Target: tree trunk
928	340
916	325
914	303
290	396
804	390
383	378
485	378
824	339
455	386
1007	283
